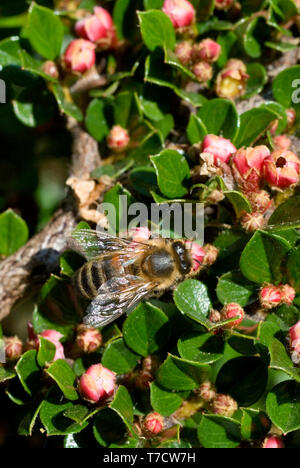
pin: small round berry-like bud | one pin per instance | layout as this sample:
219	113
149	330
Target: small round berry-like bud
281	169
181	12
54	336
231	311
50	68
197	253
282	142
80	55
219	147
211	254
215	316
253	221
260	201
118	139
288	294
270	296
223	4
231	82
13	348
291	117
224	405
273	442
140	234
184	51
247	167
207	50
153	423
97	383
203	71
88	339
206	391
98	28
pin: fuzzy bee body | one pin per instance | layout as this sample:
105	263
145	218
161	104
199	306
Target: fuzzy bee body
120	273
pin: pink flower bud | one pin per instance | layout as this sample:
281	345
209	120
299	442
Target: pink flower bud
80	55
207	51
223	4
98	28
231	311
184	51
282	142
291	117
287	294
118	138
224	405
270	296
88	339
203	71
54	336
198	254
211	254
181	12
153	423
219	147
206	391
273	442
13	348
281	169
253	221
260	201
231	82
140	234
247	166
294	333
50	68
97	383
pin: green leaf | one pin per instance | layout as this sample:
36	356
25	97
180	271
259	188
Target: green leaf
123	105
257	79
165	402
218	432
280	46
10	52
95	120
200	348
254	424
146	329
179	374
281	361
6	374
108	427
157	29
53	419
233	287
196	129
46	351
65	377
281	115
283	406
172	172
191	298
239	202
44	31
70	262
77	413
286	88
122	405
286	215
118	358
293	266
29	420
65	103
262	257
220	117
32	109
13	232
28	371
116	218
143	179
244	378
253	124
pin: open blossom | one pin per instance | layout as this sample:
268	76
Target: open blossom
281	169
207	50
231	311
118	138
153	423
80	55
181	12
247	165
97	383
88	339
232	80
54	336
13	347
203	71
273	442
219	147
98	28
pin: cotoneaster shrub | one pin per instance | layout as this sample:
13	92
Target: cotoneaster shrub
162	87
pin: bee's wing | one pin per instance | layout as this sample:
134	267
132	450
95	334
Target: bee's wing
115	297
91	243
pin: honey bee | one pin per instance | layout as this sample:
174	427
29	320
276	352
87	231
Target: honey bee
120	273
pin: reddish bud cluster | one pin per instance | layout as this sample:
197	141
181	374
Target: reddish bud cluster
181	12
97	384
98	28
219	147
231	311
13	348
88	339
207	51
80	55
206	391
118	138
153	424
272	296
224	405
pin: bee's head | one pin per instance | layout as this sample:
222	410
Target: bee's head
183	257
